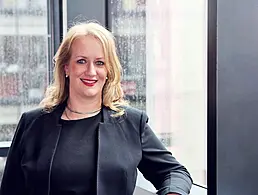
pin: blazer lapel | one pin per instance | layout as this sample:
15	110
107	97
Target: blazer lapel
107	155
51	129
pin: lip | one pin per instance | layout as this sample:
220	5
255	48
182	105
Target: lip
89	82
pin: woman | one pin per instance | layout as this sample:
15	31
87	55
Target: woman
85	139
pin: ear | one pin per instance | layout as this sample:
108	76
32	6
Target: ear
66	68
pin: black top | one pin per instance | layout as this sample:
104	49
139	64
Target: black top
124	143
74	165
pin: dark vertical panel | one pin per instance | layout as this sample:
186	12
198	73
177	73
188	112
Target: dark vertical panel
55	31
212	94
237	97
84	10
108	14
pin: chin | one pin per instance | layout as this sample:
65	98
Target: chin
90	94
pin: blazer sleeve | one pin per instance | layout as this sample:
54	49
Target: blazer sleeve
159	166
13	181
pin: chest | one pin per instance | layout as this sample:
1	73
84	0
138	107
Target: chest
116	151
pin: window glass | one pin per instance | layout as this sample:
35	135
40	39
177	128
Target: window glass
2	164
162	48
23	60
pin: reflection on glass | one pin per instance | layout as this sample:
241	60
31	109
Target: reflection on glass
128	26
23	60
162	48
2	164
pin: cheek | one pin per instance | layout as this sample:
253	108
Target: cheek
102	74
76	70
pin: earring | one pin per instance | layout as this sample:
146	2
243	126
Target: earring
106	78
66	75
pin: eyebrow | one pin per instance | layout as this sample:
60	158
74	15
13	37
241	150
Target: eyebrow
98	58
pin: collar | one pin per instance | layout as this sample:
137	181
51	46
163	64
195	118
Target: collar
57	112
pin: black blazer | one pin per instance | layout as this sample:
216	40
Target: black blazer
127	138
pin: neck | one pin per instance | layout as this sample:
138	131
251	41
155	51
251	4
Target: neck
84	105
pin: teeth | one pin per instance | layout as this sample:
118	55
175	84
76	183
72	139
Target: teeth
87	81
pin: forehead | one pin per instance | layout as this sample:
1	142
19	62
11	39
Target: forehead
87	45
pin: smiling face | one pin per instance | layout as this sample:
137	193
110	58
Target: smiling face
86	69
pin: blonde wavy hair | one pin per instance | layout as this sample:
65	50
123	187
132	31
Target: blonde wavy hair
58	91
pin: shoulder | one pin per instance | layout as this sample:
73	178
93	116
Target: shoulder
133	119
131	111
33	114
134	114
25	121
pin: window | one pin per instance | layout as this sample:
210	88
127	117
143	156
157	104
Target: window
23	61
2	164
162	48
166	139
134	70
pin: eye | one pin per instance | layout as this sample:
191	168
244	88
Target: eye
100	63
81	61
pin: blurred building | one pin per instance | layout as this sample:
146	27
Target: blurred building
23	59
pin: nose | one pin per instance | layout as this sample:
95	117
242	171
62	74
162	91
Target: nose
90	69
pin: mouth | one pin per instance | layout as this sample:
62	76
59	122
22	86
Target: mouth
89	82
